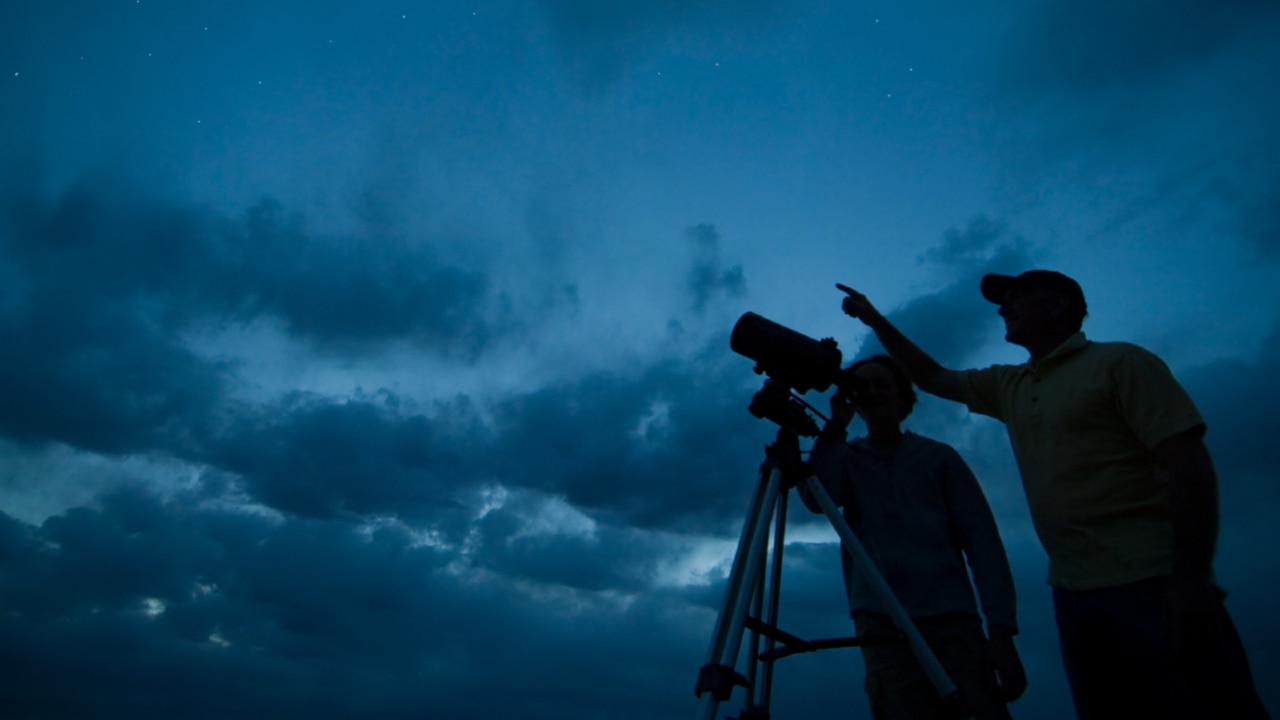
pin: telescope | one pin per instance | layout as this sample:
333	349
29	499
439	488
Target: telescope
794	364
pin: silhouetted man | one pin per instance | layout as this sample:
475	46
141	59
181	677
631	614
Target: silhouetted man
922	518
1124	497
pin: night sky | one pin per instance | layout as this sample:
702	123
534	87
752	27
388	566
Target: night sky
371	359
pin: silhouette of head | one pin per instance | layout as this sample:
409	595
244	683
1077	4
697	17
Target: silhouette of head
1036	303
883	387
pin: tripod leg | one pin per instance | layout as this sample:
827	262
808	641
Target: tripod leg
932	668
765	696
715	681
760	674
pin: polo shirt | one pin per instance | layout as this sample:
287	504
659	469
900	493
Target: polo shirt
1082	422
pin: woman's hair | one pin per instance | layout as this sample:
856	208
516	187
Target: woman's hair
906	391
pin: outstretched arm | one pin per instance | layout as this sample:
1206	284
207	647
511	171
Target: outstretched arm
924	370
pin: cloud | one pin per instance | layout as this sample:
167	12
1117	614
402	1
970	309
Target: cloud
186	607
191	607
108	284
90	372
103	285
1237	399
339	291
666	446
324	457
1094	45
708	278
177	266
1097	83
955	323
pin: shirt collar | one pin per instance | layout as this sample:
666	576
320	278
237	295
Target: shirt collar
1069	346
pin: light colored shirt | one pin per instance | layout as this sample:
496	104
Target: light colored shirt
925	523
1082	422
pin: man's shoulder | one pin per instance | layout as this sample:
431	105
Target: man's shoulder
1118	351
1116	347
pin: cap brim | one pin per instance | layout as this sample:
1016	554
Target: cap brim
996	287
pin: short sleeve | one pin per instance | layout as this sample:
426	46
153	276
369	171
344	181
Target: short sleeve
981	390
1152	402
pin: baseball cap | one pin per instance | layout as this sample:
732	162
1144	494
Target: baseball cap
995	287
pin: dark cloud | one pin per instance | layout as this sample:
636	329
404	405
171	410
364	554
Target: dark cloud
107	284
322	457
708	278
1237	399
551	550
102	284
667	446
178	266
336	291
1093	45
86	361
670	445
954	323
165	608
1100	82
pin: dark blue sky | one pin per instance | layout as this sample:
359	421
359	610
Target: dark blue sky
371	359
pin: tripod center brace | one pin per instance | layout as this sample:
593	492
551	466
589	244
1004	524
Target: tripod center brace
718	677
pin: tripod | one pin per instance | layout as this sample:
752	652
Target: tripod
718	677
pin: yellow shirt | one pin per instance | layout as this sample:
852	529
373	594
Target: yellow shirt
1082	422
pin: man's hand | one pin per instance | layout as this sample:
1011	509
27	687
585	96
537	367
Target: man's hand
856	305
1013	678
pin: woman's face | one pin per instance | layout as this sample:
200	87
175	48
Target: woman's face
878	400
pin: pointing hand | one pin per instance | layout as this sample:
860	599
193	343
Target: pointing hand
855	304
